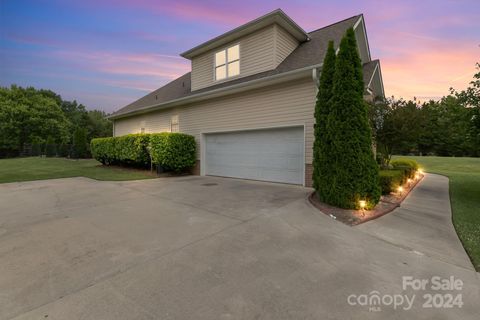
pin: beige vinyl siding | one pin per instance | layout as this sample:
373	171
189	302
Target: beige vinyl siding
281	105
256	55
152	122
285	43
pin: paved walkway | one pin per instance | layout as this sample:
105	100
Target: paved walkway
423	224
215	248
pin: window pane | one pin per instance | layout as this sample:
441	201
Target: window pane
174	120
234	68
174	123
220	58
220	73
233	53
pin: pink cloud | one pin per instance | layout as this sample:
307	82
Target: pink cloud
155	65
223	13
429	70
29	39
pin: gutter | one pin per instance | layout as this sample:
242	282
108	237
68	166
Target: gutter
239	87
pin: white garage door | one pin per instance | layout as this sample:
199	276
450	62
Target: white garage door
269	155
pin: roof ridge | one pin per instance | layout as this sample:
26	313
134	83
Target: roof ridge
332	24
371	61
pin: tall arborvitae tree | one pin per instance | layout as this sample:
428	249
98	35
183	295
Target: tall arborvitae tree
353	173
322	143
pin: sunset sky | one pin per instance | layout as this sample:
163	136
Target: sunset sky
107	53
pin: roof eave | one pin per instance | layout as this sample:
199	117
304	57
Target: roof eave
236	88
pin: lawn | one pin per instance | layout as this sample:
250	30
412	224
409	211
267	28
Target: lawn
464	175
36	168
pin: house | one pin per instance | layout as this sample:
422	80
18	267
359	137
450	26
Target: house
249	98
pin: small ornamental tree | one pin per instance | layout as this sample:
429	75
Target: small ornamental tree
321	145
353	173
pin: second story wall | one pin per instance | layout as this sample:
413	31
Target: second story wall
285	43
260	51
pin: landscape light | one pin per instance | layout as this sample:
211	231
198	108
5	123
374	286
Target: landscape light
420	171
417	176
362	203
409	181
400	189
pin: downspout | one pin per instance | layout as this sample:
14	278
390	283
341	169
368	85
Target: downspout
316	78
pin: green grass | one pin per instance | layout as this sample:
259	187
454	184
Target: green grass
464	175
36	168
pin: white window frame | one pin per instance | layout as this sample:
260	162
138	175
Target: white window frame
227	76
174	121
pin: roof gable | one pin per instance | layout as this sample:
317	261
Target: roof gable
309	54
277	16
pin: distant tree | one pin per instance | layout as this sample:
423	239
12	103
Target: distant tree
64	150
470	98
354	172
50	147
27	116
98	126
76	114
80	147
322	143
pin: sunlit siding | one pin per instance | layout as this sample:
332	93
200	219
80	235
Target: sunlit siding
274	106
152	122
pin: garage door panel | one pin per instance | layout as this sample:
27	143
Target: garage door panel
270	155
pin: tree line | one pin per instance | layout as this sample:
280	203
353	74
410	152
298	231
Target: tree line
41	119
447	127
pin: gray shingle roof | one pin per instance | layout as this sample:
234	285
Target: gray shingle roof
309	53
368	69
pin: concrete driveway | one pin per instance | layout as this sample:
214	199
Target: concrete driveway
214	248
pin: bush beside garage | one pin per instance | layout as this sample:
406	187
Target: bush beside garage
171	151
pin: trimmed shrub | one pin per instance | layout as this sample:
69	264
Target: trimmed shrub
405	163
390	180
173	151
408	166
103	150
131	149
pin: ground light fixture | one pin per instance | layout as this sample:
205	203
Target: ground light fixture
362	204
409	181
400	189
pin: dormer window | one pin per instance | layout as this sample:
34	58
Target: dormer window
227	63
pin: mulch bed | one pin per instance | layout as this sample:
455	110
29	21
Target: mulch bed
355	217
